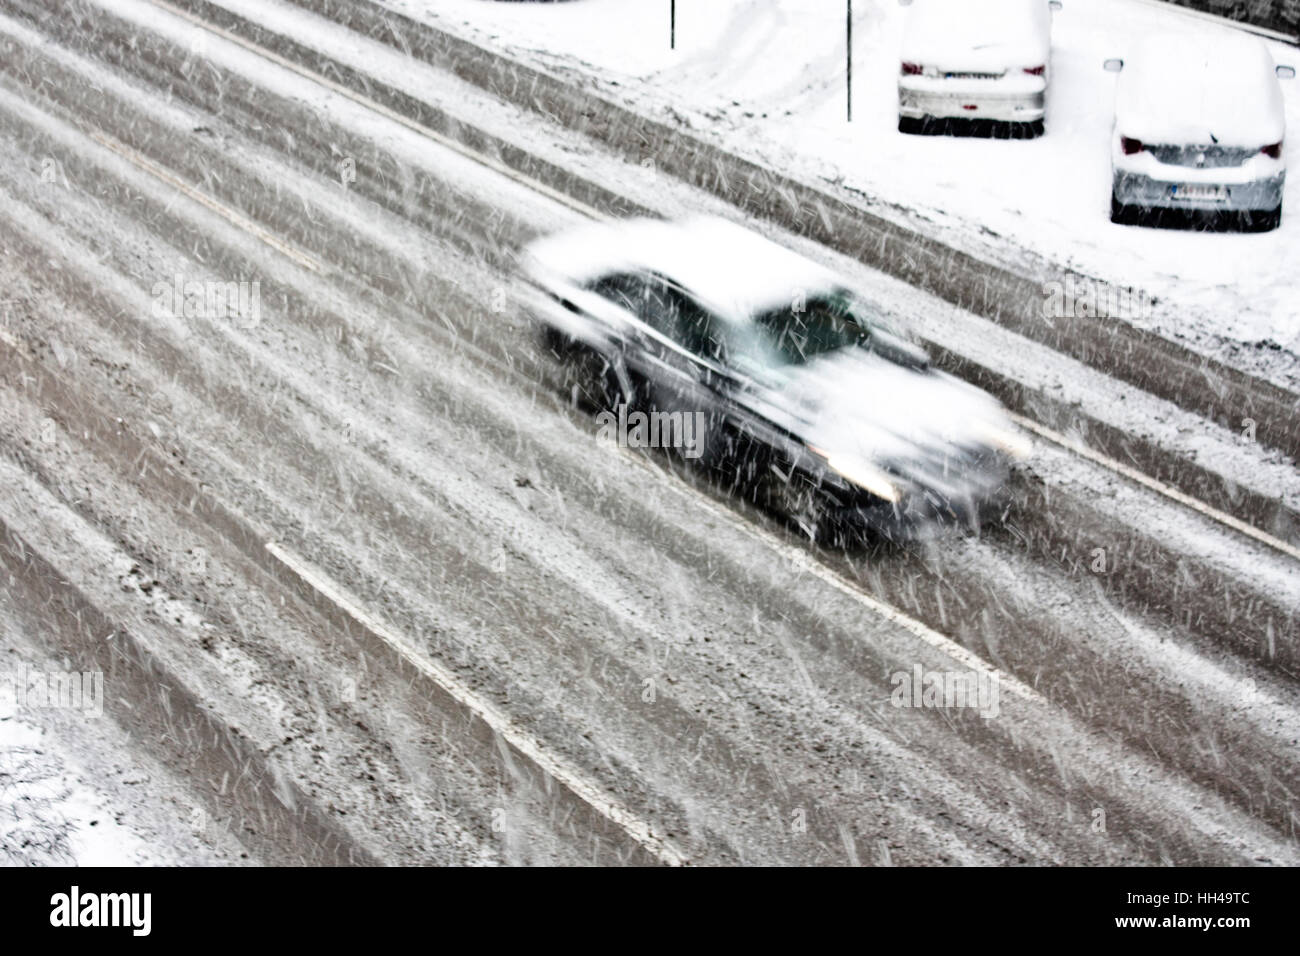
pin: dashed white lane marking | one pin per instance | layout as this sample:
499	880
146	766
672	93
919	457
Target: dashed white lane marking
236	219
500	722
1146	481
446	142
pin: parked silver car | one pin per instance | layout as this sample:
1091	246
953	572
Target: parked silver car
975	60
1199	127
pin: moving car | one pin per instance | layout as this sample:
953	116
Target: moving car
1199	127
809	403
975	60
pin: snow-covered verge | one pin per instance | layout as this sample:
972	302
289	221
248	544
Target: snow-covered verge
767	78
48	816
73	792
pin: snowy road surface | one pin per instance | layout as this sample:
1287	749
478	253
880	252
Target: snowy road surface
364	586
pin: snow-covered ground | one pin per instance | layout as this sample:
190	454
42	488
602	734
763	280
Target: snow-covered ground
72	793
48	813
767	76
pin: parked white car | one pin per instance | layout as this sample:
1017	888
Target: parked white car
975	60
1199	127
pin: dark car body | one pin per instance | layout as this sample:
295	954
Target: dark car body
805	404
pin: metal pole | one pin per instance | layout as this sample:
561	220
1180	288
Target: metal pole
848	73
672	24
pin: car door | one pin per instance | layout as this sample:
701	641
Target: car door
659	371
619	302
674	350
742	436
673	377
703	381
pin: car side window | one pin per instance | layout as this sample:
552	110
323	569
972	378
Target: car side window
625	290
698	331
663	309
668	310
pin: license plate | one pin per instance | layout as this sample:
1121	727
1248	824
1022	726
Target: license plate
1200	191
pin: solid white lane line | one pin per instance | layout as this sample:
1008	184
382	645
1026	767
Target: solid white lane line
482	159
516	737
1146	481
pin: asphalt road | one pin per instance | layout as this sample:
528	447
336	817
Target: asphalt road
480	635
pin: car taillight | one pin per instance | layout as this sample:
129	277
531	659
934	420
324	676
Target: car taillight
1274	151
1130	145
911	69
1035	70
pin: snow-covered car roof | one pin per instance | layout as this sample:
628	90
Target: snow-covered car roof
1201	88
978	35
733	270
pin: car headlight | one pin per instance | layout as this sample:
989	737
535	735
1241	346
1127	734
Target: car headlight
1004	439
863	474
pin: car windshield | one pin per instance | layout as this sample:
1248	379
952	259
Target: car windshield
796	333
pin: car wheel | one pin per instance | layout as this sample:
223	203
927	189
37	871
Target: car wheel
1119	212
1264	221
911	125
593	382
796	499
553	341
